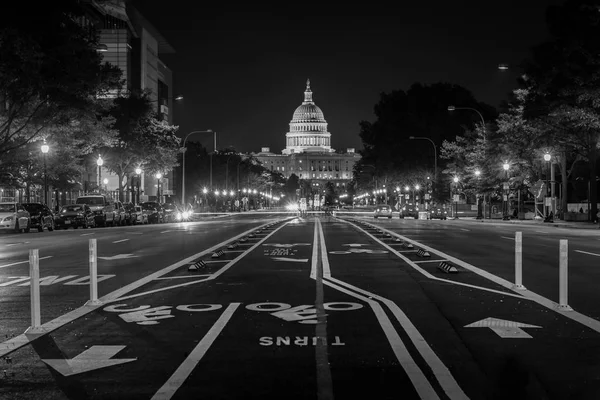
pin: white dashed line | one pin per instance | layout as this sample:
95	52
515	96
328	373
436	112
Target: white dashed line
506	237
87	234
119	241
463	229
22	262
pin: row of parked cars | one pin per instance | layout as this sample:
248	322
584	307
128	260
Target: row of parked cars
87	212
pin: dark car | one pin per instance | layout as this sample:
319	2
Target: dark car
438	213
75	215
40	216
130	213
154	211
409	210
170	212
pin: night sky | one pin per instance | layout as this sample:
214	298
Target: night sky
242	69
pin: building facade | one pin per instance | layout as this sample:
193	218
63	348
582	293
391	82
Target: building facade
308	153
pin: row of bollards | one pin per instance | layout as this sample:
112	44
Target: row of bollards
563	271
34	277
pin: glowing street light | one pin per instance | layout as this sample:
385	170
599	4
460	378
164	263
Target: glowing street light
45	149
99	161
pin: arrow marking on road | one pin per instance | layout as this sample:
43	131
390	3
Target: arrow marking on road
118	257
289	259
302	314
95	357
503	328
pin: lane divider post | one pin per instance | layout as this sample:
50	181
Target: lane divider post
563	277
93	301
34	278
519	261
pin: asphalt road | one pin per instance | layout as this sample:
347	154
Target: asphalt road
328	308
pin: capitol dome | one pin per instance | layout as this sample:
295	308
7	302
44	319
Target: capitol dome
308	128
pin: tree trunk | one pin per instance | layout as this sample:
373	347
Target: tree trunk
121	176
593	183
564	184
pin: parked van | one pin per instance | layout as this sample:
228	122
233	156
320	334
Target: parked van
102	206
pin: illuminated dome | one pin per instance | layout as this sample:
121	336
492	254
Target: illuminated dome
308	128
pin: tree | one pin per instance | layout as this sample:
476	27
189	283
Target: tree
50	71
563	79
291	185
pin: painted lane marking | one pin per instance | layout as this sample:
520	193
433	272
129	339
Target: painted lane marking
466	230
119	241
302	260
182	277
541	231
52	279
503	328
134	233
524	294
234	251
420	382
506	237
427	261
117	257
87	234
185	369
22	262
95	357
15	244
19	341
148	315
359	251
286	245
324	381
587	252
166	231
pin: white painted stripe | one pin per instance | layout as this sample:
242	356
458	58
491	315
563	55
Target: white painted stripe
463	229
428	261
119	241
87	234
315	253
416	376
541	231
23	339
324	257
135	233
525	294
213	276
216	261
22	262
441	372
182	277
234	251
15	244
586	252
506	237
166	231
185	369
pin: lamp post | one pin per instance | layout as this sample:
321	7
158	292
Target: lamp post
455	180
183	149
99	161
480	210
506	166
158	176
45	149
434	154
105	184
547	158
205	191
453	108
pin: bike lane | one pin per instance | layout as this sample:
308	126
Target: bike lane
494	342
259	327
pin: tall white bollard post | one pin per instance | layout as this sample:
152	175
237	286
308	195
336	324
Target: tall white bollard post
519	261
563	277
34	288
93	301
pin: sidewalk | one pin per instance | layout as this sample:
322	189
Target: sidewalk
557	223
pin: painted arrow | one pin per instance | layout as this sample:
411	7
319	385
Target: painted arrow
503	328
118	257
95	357
289	259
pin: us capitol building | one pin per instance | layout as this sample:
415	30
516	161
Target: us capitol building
308	152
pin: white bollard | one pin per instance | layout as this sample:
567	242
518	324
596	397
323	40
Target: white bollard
519	261
34	288
563	277
93	274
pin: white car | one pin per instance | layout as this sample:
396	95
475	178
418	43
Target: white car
141	215
13	216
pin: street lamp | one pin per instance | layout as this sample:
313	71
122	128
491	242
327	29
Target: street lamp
158	176
105	184
455	180
547	158
479	205
138	172
183	149
434	154
45	149
99	161
506	166
453	108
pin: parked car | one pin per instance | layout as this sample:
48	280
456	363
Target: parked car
141	215
170	212
130	214
409	210
382	210
40	216
154	212
75	215
14	216
183	214
102	206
